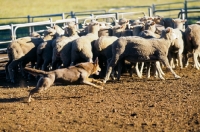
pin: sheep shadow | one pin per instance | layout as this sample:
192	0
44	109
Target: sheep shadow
20	82
11	100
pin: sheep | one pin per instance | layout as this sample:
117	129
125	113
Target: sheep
62	49
44	55
82	47
105	30
45	50
58	29
176	50
119	31
22	51
35	34
135	49
192	43
179	23
103	50
148	34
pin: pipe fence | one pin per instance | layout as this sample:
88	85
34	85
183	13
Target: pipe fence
183	10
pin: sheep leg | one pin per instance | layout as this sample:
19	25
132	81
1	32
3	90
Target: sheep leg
159	70
119	70
110	67
11	67
39	62
7	71
180	58
195	55
185	60
131	70
171	59
113	73
142	67
166	63
148	69
45	65
137	70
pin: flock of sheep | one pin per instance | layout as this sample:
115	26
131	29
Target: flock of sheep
143	42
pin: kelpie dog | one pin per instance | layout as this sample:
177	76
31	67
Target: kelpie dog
74	74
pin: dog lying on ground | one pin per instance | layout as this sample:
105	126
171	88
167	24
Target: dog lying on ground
74	74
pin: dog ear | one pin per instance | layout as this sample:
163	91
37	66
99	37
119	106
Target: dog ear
96	62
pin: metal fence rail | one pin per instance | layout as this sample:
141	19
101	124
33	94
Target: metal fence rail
180	9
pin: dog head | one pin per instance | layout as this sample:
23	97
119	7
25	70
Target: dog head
96	69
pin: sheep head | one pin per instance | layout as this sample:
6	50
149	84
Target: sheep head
93	27
70	29
169	34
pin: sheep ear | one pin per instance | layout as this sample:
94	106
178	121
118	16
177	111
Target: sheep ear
152	23
168	30
96	62
184	20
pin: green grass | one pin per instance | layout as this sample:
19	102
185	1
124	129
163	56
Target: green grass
23	8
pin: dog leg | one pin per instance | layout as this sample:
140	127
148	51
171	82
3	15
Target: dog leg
43	84
89	81
35	90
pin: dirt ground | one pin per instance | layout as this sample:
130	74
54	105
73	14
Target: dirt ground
128	105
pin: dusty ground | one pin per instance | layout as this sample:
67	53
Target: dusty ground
128	105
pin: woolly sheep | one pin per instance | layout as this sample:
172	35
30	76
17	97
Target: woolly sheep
193	43
62	49
45	50
136	49
82	47
103	50
23	51
179	23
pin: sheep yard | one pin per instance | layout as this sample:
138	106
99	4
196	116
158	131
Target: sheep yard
131	104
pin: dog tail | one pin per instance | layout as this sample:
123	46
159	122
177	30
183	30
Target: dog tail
34	72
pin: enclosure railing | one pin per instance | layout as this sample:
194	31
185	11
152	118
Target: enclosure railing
182	10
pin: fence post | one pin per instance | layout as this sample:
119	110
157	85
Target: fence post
13	37
30	28
186	16
182	14
150	12
117	16
51	21
153	9
63	15
72	14
76	21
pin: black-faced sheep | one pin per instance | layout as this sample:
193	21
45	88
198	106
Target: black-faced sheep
135	49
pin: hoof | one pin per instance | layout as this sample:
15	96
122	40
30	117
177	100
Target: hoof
177	77
104	81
